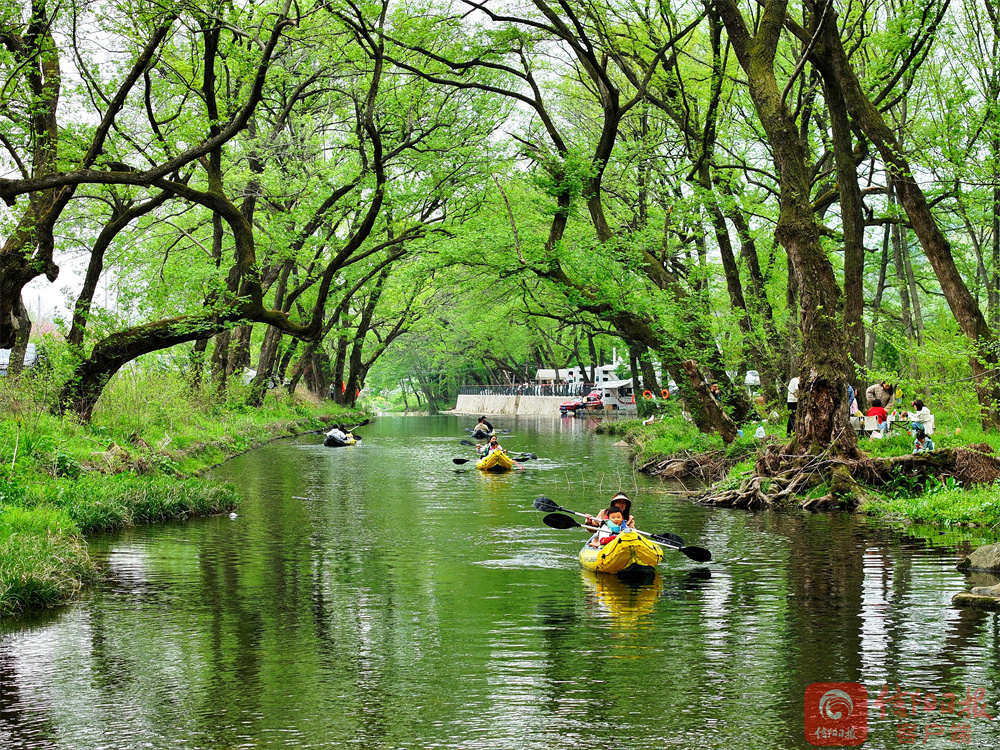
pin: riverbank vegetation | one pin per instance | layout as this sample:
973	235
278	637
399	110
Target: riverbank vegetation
964	495
132	463
399	200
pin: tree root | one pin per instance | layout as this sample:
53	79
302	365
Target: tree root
706	467
781	478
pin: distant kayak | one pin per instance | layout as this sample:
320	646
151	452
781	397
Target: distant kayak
496	461
332	442
480	435
627	553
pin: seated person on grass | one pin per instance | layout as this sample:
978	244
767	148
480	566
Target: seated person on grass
920	417
922	442
879	413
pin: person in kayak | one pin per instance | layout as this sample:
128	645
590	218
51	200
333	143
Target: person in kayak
620	501
610	528
482	428
493	445
337	434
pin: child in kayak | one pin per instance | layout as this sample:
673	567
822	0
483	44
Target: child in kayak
610	528
620	501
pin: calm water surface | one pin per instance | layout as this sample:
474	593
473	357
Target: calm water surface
381	597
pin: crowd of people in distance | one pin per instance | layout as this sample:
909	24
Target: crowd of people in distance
881	397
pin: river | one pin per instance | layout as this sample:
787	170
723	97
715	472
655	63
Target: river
379	596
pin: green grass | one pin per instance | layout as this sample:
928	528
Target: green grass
941	505
43	558
936	503
674	434
951	431
99	503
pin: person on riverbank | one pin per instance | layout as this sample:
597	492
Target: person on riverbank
880	415
922	442
852	401
793	404
610	527
921	417
883	392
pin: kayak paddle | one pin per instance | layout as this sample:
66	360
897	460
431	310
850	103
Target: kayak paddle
666	539
698	554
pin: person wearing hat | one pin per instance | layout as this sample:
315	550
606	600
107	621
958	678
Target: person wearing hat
620	501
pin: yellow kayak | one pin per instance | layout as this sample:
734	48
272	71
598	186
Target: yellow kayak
626	552
496	461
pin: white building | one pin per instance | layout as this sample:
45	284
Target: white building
573	375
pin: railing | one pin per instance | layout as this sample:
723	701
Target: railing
527	389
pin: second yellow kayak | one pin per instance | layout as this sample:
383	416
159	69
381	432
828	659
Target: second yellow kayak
496	461
627	551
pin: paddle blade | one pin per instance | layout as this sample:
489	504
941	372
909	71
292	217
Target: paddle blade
559	521
460	460
698	554
467	442
545	505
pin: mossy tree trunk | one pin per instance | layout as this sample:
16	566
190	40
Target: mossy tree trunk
821	422
829	54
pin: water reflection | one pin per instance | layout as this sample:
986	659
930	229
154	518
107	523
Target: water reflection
375	597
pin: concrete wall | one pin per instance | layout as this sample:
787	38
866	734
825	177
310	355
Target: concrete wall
509	405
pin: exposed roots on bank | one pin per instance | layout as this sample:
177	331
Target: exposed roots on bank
706	468
783	479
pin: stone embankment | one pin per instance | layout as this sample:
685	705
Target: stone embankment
509	406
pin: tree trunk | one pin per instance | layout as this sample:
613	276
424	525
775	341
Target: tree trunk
648	374
822	413
265	366
876	309
197	364
852	221
897	257
220	360
15	363
239	355
936	247
709	408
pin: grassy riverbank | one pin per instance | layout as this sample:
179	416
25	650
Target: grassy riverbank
941	503
134	463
